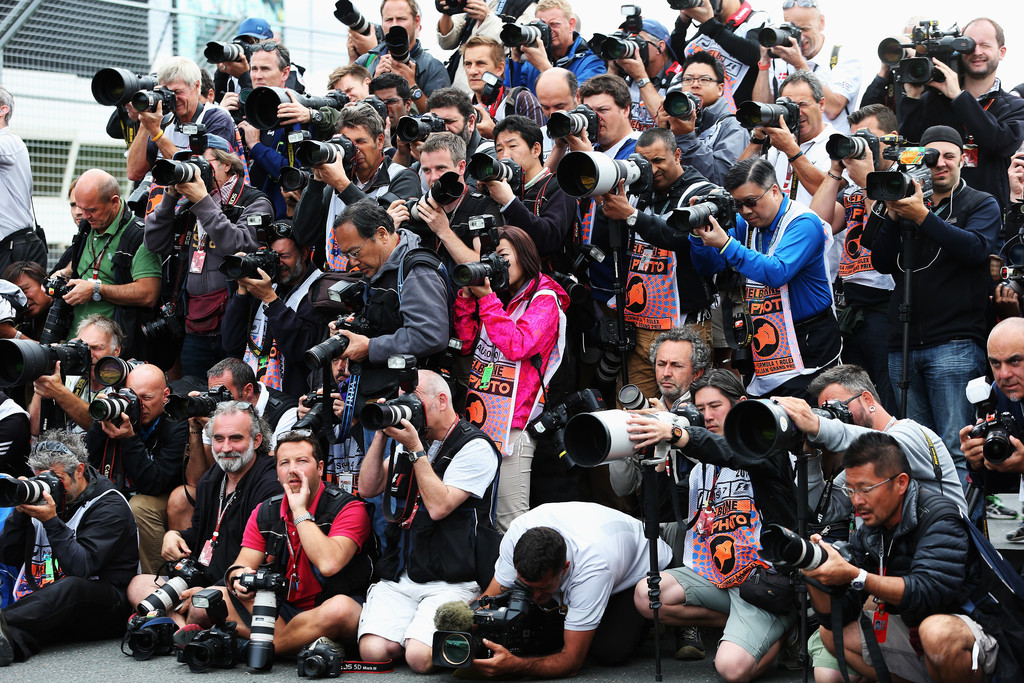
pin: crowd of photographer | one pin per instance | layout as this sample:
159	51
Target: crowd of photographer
336	380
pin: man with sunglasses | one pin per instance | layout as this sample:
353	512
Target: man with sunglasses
270	322
75	553
778	246
912	562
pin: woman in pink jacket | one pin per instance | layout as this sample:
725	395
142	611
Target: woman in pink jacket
517	338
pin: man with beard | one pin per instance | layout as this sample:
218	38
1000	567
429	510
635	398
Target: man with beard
278	316
225	498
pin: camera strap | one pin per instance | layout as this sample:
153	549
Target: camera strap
404	484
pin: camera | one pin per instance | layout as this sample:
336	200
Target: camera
914	163
262	103
578	292
347	14
138	200
30	491
492	88
491	265
378	105
450	7
751	114
225	52
319	659
377	416
109	408
112	371
511	619
149	100
314	419
681	105
619	45
927	42
293	178
264	258
573	122
759	427
786	550
148	635
116	87
444	191
551	423
518	35
483	166
184	574
397	41
589	174
58	320
995	427
610	362
267	585
718	203
181	407
417	128
165	326
854	146
215	647
774	36
316	153
598	438
322	354
25	361
183	167
685	4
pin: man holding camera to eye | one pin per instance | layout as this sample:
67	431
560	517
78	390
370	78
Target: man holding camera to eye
427	560
567	50
233	77
840	78
455	108
271	322
650	78
215	222
142	455
331	190
75	550
922	553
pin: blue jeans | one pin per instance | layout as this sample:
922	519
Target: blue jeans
199	354
936	398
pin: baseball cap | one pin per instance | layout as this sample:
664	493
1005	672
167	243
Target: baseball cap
254	27
217	142
658	31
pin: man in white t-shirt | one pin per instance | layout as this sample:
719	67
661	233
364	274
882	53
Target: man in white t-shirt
839	73
588	557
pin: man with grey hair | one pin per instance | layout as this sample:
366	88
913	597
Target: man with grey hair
18	239
679	356
76	548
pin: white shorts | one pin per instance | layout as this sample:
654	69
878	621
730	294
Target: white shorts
405	609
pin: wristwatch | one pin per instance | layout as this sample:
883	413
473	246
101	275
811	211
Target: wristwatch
304	518
858	583
415	455
631	218
677	433
416	93
757	140
642	82
96	290
316	117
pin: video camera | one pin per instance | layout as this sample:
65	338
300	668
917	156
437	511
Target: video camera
573	122
25	361
589	174
181	407
854	146
235	267
518	35
491	266
511	619
752	114
914	163
759	427
624	43
262	103
927	42
110	407
718	203
378	416
417	128
215	647
483	166
598	438
995	427
774	36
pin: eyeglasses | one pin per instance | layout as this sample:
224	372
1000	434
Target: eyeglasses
790	4
393	100
354	254
751	203
703	80
866	490
280	230
243	405
53	447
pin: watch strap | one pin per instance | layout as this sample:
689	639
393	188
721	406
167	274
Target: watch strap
858	583
303	518
415	455
642	82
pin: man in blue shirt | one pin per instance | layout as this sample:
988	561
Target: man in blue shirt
567	50
778	247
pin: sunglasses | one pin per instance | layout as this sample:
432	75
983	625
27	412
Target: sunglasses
790	4
751	203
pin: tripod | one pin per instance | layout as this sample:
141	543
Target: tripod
649	513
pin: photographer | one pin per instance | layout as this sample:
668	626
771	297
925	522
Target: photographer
331	191
924	573
232	77
18	238
327	560
74	552
421	70
455	108
722	33
142	458
242	476
29	276
159	140
778	246
567	50
650	78
421	568
270	321
415	322
539	207
394	92
214	222
952	237
482	55
972	103
526	322
722	550
711	140
477	19
661	276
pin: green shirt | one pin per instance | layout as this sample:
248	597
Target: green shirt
99	253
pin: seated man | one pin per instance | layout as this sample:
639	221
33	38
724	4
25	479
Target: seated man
241	479
328	557
75	557
419	570
924	573
144	459
590	557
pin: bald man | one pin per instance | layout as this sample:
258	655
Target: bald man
120	289
556	90
143	456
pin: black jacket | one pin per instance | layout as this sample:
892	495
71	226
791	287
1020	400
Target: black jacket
150	465
547	215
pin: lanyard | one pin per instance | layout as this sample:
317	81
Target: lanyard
222	508
99	259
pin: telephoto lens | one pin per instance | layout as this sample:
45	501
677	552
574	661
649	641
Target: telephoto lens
326	351
260	654
632	398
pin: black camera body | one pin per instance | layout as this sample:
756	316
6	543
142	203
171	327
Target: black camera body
511	619
58	319
752	114
444	191
110	407
718	203
573	122
316	153
914	163
263	580
518	35
14	492
491	265
184	574
149	635
451	8
619	45
319	659
854	146
786	550
417	128
181	407
377	416
166	325
774	36
483	166
235	267
183	167
150	100
226	52
215	647
24	360
928	42
996	429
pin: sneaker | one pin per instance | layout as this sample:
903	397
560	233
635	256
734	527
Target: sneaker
6	649
789	654
689	644
1017	535
995	509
